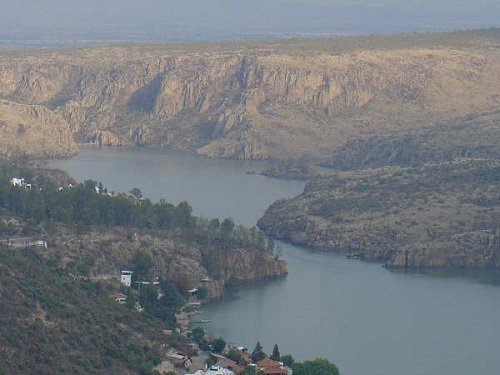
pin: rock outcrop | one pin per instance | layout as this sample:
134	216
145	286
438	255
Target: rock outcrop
277	99
243	265
444	214
175	259
33	130
475	137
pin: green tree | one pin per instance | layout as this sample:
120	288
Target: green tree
318	366
276	356
214	229
170	303
197	334
236	356
210	361
258	353
136	192
226	231
142	263
203	344
183	213
287	360
148	298
218	345
202	292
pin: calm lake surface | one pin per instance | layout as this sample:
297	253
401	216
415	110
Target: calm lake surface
366	319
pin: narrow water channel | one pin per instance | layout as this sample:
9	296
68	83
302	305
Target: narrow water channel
366	319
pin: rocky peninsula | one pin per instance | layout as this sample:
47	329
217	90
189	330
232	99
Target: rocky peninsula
435	215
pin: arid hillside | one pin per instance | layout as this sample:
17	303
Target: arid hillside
33	130
435	215
279	99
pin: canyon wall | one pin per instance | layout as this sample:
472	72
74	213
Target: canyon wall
265	100
33	130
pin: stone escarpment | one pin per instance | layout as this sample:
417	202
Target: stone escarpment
475	137
242	266
33	130
279	99
435	215
106	252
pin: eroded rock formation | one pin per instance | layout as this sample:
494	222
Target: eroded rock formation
277	99
33	130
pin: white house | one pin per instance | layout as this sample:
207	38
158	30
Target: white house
17	181
126	277
214	370
14	181
38	243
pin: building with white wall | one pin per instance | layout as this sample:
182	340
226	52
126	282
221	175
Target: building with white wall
126	277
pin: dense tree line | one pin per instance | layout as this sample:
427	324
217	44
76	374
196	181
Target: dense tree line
89	204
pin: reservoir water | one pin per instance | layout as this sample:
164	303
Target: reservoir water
366	319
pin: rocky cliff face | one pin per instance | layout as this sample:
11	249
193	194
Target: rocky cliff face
267	100
243	265
33	130
475	137
435	215
109	251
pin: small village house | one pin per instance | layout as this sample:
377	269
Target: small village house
225	362
126	277
270	367
119	297
214	370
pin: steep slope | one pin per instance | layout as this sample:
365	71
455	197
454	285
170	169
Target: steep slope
277	99
51	324
103	233
33	130
435	215
476	137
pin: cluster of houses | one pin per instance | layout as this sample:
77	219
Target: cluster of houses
21	182
226	366
126	280
220	364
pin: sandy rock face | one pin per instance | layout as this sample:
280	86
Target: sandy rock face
33	130
270	100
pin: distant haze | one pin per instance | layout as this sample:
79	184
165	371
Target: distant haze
63	21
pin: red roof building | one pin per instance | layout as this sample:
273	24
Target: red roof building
119	297
227	363
270	367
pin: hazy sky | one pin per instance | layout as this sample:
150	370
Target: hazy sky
229	19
